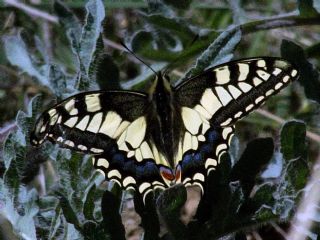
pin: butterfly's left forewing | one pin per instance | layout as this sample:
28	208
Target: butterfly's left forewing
113	126
213	101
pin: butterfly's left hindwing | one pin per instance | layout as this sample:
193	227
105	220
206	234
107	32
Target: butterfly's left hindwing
112	126
213	101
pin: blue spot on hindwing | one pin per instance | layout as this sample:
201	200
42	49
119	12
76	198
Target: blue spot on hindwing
213	136
118	158
197	157
206	148
187	159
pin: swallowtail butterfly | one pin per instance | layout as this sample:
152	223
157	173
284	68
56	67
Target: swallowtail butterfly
170	135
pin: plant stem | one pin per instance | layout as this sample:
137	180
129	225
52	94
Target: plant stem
32	11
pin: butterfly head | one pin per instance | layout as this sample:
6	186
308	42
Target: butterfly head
161	85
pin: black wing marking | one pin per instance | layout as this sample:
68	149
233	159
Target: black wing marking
112	126
213	101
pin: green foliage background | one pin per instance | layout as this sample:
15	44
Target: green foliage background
52	193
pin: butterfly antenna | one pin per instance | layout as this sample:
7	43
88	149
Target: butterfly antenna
130	51
180	55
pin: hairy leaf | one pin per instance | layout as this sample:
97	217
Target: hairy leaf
221	50
21	218
18	55
293	135
91	32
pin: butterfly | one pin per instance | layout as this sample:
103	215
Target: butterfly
170	135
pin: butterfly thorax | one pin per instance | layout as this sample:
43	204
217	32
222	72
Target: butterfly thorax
161	97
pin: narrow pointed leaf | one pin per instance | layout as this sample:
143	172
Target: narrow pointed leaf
91	32
309	77
89	206
69	21
254	158
68	211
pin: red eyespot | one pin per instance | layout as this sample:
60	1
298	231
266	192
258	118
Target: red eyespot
178	173
167	174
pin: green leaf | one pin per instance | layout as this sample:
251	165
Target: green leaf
61	164
141	40
18	55
91	32
214	204
21	160
173	24
91	231
55	222
26	121
60	82
169	205
218	52
89	206
12	173
68	20
2	169
309	76
293	148
181	4
84	41
293	139
111	218
313	51
68	212
74	164
254	158
306	8
107	73
22	221
14	148
148	213
262	203
297	173
293	179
